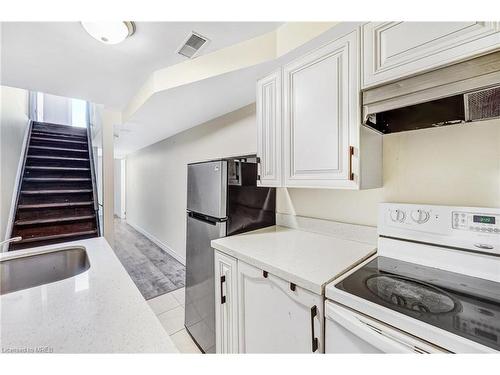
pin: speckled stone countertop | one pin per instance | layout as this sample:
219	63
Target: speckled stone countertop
98	311
309	260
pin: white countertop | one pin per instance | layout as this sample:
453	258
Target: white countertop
98	311
309	260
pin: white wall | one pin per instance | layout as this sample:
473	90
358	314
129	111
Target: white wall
110	118
119	182
456	165
13	126
452	165
56	109
157	175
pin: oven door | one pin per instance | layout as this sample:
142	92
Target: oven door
349	332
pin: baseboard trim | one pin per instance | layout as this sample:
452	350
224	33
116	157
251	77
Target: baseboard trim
159	243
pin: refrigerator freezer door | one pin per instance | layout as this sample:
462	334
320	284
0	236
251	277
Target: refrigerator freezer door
207	188
200	289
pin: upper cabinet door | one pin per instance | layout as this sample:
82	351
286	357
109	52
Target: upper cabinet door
321	115
269	129
392	50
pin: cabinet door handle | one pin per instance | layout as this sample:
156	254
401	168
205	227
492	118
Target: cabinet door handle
222	296
314	340
351	154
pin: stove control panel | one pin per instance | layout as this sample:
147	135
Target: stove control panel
475	221
473	228
415	215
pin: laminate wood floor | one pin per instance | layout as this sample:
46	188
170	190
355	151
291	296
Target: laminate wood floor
153	270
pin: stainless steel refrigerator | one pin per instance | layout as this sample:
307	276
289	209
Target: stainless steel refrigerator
222	199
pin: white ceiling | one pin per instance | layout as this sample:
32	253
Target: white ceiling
62	59
172	111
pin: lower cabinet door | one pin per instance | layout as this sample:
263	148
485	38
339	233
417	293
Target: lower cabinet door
276	316
226	306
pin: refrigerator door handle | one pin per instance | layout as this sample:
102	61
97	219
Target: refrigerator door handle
204	218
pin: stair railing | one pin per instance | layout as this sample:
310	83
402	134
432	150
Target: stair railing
93	174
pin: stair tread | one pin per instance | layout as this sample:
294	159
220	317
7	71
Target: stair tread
54	220
53	179
55	205
56	168
56	191
56	236
55	157
36	138
58	149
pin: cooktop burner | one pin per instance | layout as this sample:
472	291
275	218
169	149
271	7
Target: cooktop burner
463	305
411	294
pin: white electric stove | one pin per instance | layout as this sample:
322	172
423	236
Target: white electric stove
433	286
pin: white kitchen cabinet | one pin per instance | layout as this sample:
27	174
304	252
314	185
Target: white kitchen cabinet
269	129
273	318
226	304
392	50
322	120
309	122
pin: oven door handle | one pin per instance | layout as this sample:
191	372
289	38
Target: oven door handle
387	342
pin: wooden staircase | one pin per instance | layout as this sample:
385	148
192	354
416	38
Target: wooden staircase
56	201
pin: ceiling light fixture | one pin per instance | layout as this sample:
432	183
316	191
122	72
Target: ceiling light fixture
110	32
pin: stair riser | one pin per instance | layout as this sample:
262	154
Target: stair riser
71	137
44	143
54	213
58	185
15	246
62	129
44	173
53	229
55	198
61	153
58	163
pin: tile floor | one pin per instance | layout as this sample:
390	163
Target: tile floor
169	308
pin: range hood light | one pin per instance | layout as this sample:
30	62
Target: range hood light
109	32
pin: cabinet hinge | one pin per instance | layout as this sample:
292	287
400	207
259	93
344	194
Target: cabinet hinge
258	177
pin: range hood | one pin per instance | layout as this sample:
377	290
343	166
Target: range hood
463	92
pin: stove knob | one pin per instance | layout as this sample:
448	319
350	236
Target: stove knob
398	216
420	216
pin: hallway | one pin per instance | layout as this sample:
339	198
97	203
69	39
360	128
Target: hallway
153	270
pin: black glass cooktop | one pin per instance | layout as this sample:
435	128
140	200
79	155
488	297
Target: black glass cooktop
463	305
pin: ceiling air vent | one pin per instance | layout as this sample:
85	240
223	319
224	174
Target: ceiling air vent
192	45
483	104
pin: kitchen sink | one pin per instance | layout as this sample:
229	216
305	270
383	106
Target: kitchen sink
33	270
